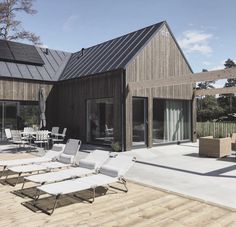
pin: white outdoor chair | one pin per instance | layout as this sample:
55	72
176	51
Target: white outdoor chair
8	134
54	132
59	137
18	139
42	137
113	171
108	131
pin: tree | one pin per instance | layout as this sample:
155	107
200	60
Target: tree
10	27
205	85
228	99
209	109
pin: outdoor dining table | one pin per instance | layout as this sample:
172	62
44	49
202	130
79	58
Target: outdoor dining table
31	135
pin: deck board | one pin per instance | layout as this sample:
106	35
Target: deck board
141	206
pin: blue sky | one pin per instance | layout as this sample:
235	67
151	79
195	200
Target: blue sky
205	29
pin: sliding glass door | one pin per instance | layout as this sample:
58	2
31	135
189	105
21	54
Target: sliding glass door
171	121
100	121
8	117
139	121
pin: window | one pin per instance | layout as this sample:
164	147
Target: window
100	121
28	115
171	121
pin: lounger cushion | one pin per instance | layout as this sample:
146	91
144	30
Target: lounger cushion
88	164
58	147
109	171
65	158
72	147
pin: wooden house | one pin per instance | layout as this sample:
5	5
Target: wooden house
103	94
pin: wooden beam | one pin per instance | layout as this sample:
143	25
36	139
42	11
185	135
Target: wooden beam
186	79
215	91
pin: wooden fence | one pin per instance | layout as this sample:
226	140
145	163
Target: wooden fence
216	129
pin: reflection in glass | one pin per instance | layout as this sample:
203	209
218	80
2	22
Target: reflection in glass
139	121
28	116
171	121
100	121
17	115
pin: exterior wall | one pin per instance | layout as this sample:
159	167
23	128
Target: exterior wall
21	90
67	102
159	59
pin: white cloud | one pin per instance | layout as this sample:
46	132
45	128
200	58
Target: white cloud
70	23
196	41
220	65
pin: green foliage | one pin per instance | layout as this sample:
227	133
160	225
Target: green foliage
229	64
116	146
205	85
208	109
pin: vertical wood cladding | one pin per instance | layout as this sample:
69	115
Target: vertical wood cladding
159	59
22	90
70	97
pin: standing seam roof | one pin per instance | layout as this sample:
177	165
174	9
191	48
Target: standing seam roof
108	56
54	64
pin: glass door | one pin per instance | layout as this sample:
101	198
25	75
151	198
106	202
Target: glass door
139	121
8	117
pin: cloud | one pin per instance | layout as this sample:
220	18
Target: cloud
220	65
70	23
196	42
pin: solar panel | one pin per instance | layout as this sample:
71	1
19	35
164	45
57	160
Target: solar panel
5	52
19	53
24	53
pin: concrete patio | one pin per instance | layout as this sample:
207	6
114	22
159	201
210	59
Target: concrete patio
178	168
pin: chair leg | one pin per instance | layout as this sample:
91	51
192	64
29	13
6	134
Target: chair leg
23	184
3	171
36	196
18	178
122	181
55	204
6	176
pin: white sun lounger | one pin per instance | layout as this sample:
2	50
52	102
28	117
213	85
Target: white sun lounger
90	164
56	150
65	159
112	171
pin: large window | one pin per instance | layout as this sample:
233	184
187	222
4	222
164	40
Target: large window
17	115
171	121
100	121
28	115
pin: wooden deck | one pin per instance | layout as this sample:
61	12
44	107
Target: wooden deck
141	206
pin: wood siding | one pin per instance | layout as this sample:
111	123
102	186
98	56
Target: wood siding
160	59
67	103
22	90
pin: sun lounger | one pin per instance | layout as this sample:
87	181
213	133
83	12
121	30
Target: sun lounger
88	165
56	150
65	159
112	171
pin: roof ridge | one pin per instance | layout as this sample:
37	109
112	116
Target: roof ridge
109	40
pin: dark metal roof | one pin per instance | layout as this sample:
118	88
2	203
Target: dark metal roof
54	64
111	55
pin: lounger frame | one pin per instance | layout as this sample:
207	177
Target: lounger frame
121	180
